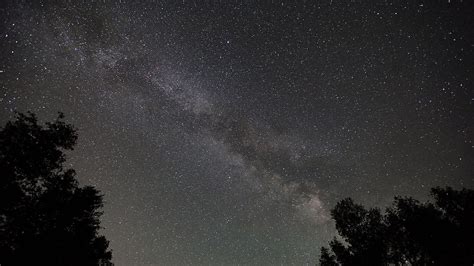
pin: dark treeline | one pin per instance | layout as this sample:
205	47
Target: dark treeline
408	233
46	218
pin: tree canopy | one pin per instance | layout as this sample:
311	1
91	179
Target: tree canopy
409	232
46	218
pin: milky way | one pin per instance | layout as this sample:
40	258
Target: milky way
223	132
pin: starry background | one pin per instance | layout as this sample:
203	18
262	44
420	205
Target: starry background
223	132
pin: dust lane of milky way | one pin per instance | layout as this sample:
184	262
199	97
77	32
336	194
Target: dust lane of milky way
223	133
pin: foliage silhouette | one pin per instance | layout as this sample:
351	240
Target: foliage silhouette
410	232
45	217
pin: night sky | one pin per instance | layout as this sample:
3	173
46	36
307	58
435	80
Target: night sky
223	132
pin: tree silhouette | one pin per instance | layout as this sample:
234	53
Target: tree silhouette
410	232
45	217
